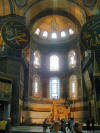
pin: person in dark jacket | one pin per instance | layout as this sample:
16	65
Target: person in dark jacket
88	124
8	126
45	125
63	125
93	122
69	121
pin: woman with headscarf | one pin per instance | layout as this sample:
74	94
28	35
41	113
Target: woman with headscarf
56	127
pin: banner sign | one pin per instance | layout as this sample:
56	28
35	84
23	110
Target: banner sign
5	90
90	34
15	34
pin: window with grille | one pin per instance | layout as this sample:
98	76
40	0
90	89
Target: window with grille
54	87
72	59
36	85
36	59
45	34
54	63
37	32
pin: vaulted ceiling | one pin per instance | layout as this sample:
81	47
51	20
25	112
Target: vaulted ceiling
32	8
40	12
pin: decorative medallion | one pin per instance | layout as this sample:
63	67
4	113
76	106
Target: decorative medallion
90	34
15	34
21	3
89	3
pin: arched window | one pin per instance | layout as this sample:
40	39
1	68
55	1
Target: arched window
37	60
71	31
72	59
36	85
54	88
54	63
45	34
73	85
63	34
37	32
54	35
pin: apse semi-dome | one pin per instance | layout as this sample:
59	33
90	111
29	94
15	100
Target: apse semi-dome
54	28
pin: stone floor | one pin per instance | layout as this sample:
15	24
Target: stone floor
38	129
28	129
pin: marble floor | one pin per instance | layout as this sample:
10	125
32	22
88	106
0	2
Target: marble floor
39	129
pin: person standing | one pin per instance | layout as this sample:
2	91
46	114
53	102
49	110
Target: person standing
45	125
8	126
69	121
93	122
88	124
56	127
51	127
63	125
71	125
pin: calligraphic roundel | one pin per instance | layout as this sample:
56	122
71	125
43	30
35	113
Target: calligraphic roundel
90	34
15	34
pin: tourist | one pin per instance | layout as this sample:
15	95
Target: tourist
71	124
45	125
93	122
56	127
52	125
63	125
8	126
88	124
77	127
